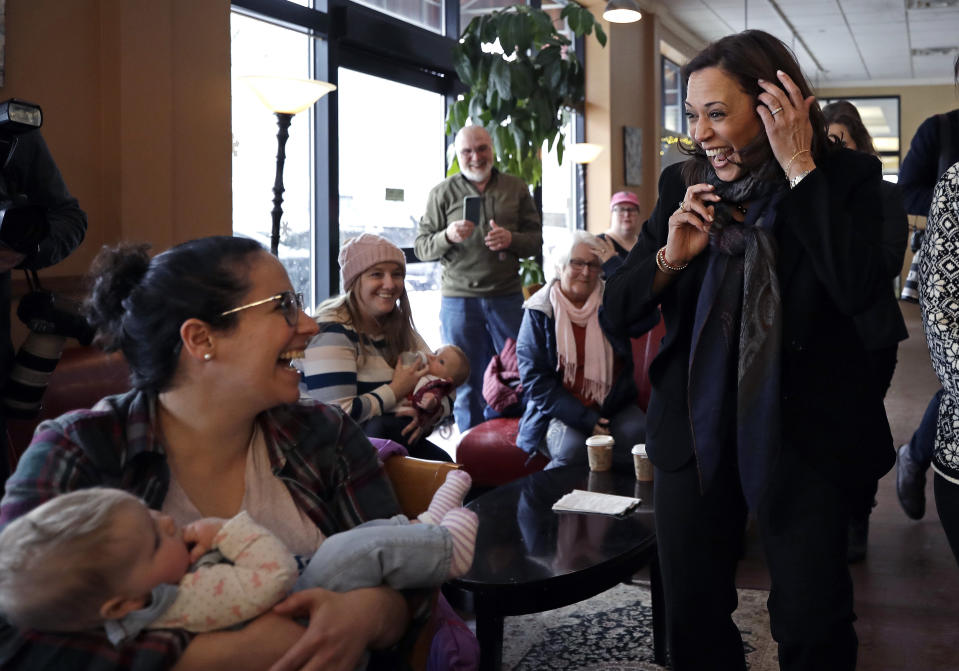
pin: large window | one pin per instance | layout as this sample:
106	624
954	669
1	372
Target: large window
262	48
388	164
674	118
383	128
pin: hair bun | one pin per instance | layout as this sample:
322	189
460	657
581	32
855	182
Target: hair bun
116	273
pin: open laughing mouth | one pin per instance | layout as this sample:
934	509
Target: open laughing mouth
290	357
719	156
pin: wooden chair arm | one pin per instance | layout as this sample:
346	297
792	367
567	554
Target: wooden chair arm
415	481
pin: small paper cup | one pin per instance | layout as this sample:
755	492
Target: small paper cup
642	464
600	452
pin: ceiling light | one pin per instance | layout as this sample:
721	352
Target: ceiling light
622	11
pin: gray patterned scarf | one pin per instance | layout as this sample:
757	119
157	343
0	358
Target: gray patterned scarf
738	327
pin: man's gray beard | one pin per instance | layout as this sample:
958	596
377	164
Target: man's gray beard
477	175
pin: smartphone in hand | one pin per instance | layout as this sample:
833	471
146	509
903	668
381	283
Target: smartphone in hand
471	209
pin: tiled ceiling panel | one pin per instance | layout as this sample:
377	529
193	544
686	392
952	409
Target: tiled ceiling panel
841	41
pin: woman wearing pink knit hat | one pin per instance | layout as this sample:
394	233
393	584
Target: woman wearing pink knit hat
623	232
354	361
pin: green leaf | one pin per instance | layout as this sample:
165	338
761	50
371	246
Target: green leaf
547	55
492	25
522	78
600	35
508	29
476	106
519	135
459	112
553	74
500	78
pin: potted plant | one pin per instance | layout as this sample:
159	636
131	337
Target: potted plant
532	276
521	76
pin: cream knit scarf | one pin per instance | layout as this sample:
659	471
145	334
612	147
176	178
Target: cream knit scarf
598	366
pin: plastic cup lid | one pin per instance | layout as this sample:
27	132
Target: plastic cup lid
639	448
600	441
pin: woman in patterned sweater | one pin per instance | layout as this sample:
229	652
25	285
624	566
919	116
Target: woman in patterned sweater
354	361
938	294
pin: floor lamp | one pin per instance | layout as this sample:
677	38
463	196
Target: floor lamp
284	96
583	153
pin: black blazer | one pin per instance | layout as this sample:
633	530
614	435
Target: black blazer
882	325
829	270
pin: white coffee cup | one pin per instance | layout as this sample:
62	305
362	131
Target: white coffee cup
600	451
644	467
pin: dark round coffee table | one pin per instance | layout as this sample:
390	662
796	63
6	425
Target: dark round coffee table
530	559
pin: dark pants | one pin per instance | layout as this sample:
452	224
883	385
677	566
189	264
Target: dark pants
391	427
923	441
882	363
480	327
802	523
947	505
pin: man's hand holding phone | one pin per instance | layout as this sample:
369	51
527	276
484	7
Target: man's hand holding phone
459	230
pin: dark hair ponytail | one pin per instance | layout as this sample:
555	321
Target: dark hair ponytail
137	305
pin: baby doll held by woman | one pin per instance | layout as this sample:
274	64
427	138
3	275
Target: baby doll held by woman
100	556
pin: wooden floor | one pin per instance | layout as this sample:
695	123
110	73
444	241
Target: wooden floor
907	589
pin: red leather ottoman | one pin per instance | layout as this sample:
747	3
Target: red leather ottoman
489	454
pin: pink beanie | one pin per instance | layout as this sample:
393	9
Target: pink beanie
623	197
367	250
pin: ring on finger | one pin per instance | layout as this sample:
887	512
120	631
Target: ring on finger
682	206
776	111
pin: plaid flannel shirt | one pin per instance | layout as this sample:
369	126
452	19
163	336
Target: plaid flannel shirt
325	460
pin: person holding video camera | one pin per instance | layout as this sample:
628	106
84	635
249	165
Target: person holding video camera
482	299
40	225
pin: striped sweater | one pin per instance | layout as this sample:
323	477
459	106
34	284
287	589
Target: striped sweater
332	373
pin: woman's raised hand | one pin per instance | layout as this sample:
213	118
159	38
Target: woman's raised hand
785	114
689	225
405	377
603	249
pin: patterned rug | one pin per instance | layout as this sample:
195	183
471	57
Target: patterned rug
614	632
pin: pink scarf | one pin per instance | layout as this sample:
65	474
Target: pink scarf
598	367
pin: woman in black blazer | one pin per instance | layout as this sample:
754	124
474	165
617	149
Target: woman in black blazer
759	253
881	326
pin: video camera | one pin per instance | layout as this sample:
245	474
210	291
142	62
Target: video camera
23	225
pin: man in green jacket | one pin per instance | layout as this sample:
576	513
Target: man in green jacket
482	302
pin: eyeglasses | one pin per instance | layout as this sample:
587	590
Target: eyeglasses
579	265
290	305
618	209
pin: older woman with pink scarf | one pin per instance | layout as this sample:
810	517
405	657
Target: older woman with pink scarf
577	377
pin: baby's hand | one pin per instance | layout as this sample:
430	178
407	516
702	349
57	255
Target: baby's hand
202	534
429	401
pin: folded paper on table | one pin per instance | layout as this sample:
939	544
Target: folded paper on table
580	501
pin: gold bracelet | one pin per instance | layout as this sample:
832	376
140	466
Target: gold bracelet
790	163
665	266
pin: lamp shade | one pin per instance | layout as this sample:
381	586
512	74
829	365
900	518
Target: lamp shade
622	11
287	95
584	152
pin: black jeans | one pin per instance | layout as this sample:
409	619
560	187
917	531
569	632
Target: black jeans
947	505
923	441
802	523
